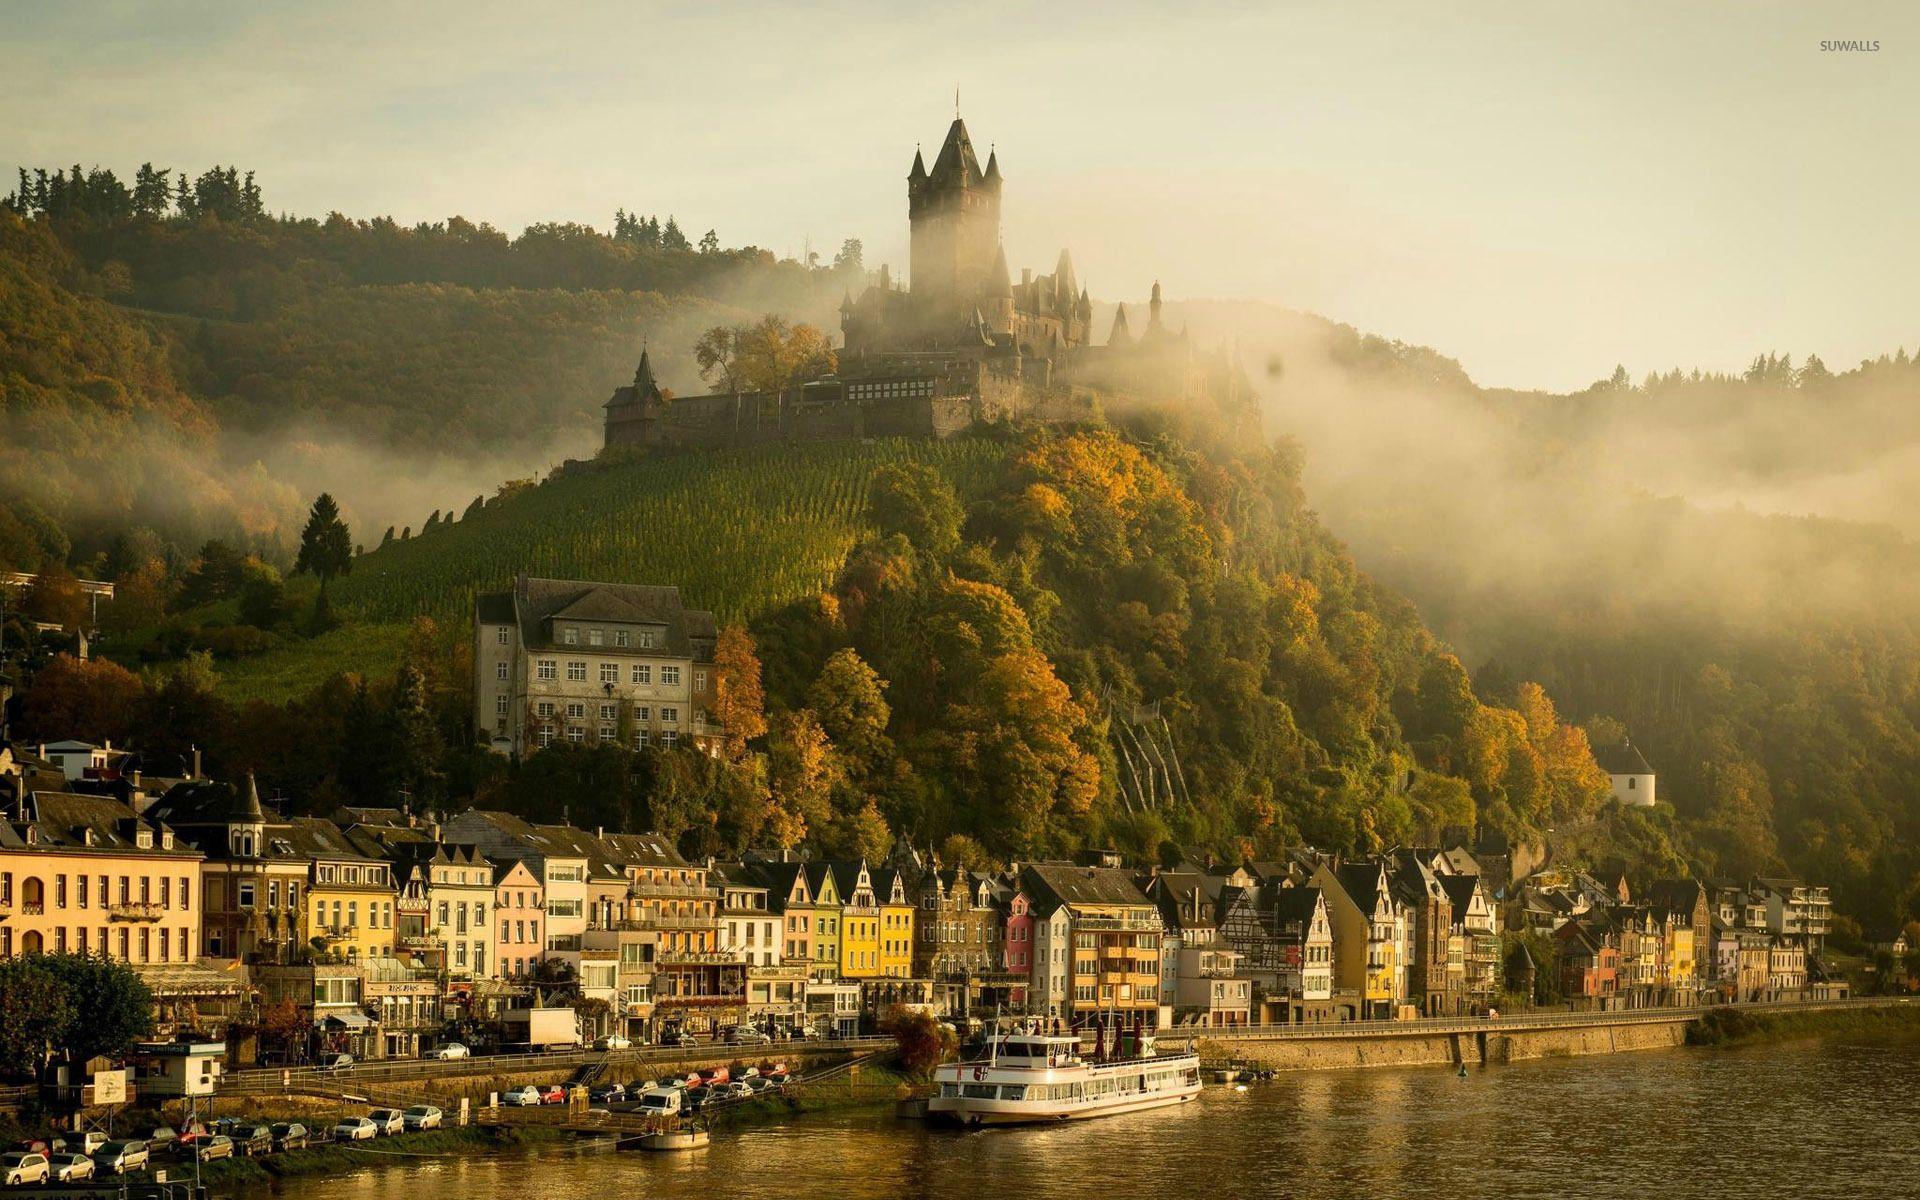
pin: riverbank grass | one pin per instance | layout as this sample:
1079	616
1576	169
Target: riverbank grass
1737	1027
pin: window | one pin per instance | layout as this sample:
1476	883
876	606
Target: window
545	736
609	712
246	893
640	739
500	705
596	638
643	712
500	670
544	669
500	636
621	637
669	715
570	636
575	734
669	737
544	708
576	671
646	639
642	673
576	710
60	891
670	676
699	680
607	733
609	672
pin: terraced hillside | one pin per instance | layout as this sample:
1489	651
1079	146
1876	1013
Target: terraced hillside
740	532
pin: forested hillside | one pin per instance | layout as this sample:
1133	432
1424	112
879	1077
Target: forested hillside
1723	564
231	362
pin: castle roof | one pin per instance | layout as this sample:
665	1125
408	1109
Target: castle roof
919	166
1001	283
1120	336
957	163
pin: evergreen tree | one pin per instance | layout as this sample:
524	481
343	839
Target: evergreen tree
326	547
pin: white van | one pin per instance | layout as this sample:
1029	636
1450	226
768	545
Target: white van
662	1102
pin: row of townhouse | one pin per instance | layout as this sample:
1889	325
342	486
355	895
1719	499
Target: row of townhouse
1679	941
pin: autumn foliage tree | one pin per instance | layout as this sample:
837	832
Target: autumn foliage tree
922	1042
739	699
766	356
91	699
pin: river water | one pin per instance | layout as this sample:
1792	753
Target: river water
1828	1118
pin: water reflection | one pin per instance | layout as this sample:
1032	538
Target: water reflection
1805	1120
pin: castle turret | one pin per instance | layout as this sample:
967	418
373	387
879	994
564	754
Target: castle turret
644	387
1153	307
1000	291
1120	338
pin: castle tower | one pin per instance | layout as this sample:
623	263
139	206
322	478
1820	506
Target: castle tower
1000	292
1153	308
1120	338
954	213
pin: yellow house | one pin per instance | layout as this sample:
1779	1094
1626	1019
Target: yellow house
896	924
859	920
1368	933
350	896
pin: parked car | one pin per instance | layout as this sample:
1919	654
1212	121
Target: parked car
290	1135
212	1148
553	1094
34	1146
679	1038
25	1166
758	1083
70	1166
640	1087
614	1041
521	1097
449	1050
119	1158
83	1144
607	1093
161	1138
355	1129
697	1097
190	1135
252	1140
334	1062
737	1090
388	1120
422	1116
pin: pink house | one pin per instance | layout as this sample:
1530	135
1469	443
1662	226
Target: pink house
519	909
1018	946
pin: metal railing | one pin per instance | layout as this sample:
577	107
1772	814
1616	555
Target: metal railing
1521	1020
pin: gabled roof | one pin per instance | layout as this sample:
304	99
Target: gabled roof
1460	890
69	821
534	604
1622	759
317	837
643	850
1051	885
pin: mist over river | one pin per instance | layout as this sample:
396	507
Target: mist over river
1837	1117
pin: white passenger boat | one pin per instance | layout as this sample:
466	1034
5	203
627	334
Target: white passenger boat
1028	1077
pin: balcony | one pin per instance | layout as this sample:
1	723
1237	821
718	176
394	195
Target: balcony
1140	924
135	910
697	957
641	889
649	924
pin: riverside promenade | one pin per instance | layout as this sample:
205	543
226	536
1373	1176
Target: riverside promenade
1466	1040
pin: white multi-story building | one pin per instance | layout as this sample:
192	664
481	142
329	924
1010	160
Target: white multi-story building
563	659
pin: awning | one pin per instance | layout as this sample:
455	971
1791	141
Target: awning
350	1018
169	981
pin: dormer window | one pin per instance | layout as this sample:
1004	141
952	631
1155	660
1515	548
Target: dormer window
144	839
569	636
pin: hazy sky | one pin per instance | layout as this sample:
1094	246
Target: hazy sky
1537	189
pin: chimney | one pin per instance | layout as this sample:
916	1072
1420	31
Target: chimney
1026	276
196	763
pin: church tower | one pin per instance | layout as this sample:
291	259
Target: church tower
954	213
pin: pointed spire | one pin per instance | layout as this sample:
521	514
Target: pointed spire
1085	309
846	303
919	171
1153	307
993	165
250	809
956	163
644	384
1120	336
1000	283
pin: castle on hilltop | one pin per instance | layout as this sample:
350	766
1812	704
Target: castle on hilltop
965	344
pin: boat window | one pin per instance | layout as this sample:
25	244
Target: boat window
978	1091
1013	1091
949	1089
